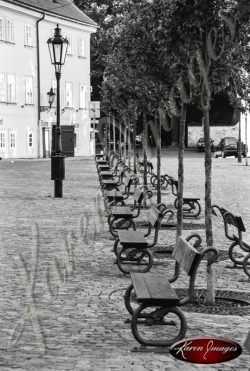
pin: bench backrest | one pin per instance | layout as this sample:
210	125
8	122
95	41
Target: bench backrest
174	184
153	216
127	181
138	195
186	255
234	220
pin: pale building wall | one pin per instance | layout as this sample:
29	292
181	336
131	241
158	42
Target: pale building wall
20	60
16	58
216	133
219	132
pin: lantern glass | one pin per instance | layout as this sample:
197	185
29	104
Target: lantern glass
51	97
58	46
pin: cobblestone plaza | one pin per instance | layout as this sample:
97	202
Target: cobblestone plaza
74	318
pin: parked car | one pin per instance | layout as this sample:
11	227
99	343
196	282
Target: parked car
201	145
227	147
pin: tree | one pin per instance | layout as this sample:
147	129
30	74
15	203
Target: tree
213	35
173	53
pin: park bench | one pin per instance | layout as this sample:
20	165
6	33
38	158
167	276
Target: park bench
117	172
100	156
191	205
154	181
108	183
122	217
113	167
118	196
157	319
108	161
134	254
238	251
140	167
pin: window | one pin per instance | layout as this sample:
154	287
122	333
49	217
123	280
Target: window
82	47
12	140
69	94
10	31
27	35
82	97
11	88
28	89
2	140
30	140
2	88
1	29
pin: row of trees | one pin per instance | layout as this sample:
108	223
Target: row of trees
155	56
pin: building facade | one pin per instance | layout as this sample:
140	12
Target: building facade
26	75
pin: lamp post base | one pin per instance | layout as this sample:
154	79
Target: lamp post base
58	173
58	188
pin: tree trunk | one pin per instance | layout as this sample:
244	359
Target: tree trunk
158	125
134	140
208	208
106	139
181	172
114	144
145	146
129	143
120	139
125	143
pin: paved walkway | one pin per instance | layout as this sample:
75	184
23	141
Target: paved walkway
61	302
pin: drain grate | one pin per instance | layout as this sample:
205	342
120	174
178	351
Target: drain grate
226	302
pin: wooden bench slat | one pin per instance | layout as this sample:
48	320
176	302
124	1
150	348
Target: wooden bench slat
186	255
121	211
114	193
109	182
103	166
102	162
153	215
140	287
105	173
131	237
190	198
153	290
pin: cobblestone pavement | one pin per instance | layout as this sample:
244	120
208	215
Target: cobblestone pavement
61	302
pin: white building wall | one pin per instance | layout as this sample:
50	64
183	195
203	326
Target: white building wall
22	118
20	60
216	133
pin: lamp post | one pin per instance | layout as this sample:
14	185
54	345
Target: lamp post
239	143
58	46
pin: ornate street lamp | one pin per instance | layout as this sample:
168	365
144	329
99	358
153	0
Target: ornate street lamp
51	97
58	46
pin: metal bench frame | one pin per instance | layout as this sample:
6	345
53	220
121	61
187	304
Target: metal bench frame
231	220
191	205
139	254
188	259
125	219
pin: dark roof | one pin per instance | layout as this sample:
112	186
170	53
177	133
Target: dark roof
63	8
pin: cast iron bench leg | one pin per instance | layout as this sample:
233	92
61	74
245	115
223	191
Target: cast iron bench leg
246	263
120	223
158	326
131	259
